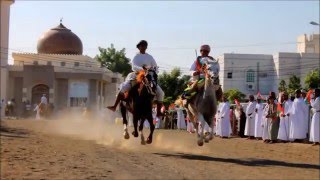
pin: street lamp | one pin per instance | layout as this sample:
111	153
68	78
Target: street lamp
314	23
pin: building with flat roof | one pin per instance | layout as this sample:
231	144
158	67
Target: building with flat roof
253	73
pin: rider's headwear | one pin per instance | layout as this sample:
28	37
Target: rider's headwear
142	42
205	47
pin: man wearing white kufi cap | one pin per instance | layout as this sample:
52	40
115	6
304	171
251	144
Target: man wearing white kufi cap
198	74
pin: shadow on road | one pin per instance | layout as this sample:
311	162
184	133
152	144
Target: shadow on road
12	132
249	162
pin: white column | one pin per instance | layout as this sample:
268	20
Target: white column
4	45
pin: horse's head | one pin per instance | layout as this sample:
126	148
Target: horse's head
149	78
211	68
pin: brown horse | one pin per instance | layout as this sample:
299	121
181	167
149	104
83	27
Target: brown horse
139	102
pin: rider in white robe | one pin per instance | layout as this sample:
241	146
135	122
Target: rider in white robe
297	117
225	126
250	112
284	127
259	114
314	129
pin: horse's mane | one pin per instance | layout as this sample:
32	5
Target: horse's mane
140	76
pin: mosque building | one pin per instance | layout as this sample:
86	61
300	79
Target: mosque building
61	71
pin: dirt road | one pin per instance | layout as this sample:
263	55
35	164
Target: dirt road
96	150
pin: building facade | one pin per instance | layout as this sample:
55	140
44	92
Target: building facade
309	44
59	70
253	73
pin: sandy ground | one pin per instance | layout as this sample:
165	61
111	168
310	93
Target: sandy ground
83	149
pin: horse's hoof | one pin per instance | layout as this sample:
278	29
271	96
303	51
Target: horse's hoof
211	137
149	140
126	135
200	143
143	142
206	140
135	134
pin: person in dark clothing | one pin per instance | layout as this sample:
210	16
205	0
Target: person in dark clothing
242	123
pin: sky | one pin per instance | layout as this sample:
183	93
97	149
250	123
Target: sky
174	30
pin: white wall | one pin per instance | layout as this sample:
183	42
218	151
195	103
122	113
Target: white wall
238	65
277	67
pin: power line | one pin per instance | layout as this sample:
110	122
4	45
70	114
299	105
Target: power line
52	57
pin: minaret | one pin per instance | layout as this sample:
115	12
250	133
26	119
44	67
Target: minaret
4	49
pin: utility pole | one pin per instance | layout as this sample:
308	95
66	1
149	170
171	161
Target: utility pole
258	77
317	24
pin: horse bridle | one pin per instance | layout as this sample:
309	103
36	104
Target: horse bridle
150	81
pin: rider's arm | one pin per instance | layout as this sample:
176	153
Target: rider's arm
193	69
154	64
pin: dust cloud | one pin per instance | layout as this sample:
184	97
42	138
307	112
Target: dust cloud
103	130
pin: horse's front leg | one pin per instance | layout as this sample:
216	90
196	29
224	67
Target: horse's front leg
152	127
124	120
209	135
135	125
200	133
143	142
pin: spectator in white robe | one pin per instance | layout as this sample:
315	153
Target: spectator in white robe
297	117
156	120
259	114
37	109
315	125
251	114
181	121
265	124
225	126
218	120
190	126
284	127
306	116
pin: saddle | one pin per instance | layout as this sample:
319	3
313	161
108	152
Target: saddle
190	95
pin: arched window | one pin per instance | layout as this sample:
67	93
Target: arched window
250	75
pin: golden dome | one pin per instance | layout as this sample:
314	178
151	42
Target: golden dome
59	40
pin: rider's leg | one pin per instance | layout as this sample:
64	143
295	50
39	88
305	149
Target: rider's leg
190	90
160	96
124	115
125	87
219	92
120	97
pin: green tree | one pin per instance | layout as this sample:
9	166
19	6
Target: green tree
234	94
172	84
294	84
114	60
282	86
312	80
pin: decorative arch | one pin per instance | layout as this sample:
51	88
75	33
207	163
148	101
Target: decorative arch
38	91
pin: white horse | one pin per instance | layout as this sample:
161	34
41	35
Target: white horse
202	108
